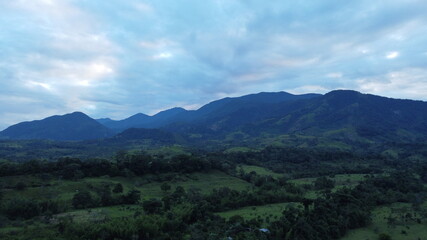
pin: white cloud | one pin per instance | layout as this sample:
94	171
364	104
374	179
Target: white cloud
253	77
308	89
406	83
157	44
334	75
162	55
45	86
143	7
392	55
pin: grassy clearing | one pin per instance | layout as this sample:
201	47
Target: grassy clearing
148	185
101	213
205	182
169	151
259	170
238	149
341	180
271	211
407	223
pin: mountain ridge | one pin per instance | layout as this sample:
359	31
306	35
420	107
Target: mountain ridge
337	114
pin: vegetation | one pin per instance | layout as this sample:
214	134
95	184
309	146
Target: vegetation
272	193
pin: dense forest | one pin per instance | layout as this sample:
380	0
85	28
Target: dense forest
322	208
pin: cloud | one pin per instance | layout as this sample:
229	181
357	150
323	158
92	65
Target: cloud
116	58
392	55
407	83
162	55
334	75
308	89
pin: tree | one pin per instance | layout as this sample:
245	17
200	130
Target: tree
106	198
165	187
118	188
324	183
132	197
384	236
20	186
152	206
21	208
82	199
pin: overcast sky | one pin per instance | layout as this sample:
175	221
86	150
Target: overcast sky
118	57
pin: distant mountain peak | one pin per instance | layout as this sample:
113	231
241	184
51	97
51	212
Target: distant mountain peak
70	126
139	115
170	111
343	91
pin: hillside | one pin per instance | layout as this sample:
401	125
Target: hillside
209	112
350	114
73	126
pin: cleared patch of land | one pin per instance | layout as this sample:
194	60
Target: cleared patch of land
270	211
149	185
259	170
398	220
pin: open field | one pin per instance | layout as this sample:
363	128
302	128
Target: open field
271	211
341	180
398	220
148	185
102	213
259	170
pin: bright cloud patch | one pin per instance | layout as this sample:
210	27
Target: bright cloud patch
163	55
407	83
392	55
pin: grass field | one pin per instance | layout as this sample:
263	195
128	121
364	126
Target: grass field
205	182
341	180
259	170
271	211
407	224
148	185
101	213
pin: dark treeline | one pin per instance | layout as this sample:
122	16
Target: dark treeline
302	162
123	164
295	161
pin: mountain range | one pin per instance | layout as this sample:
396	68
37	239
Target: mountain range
340	114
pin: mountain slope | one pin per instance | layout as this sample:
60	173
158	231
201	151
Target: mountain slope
73	126
346	113
129	122
141	120
226	106
230	113
211	112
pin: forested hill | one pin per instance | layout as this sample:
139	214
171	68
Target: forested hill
341	114
350	114
73	126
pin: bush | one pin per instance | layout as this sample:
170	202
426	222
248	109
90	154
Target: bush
21	209
82	199
20	186
152	206
384	236
118	188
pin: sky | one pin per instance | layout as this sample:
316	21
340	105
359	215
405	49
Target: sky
116	58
